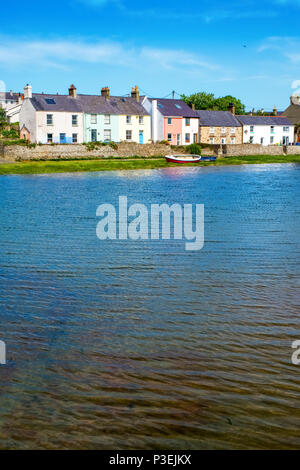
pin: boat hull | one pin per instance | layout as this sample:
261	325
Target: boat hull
171	159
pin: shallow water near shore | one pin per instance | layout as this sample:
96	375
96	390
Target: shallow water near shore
141	344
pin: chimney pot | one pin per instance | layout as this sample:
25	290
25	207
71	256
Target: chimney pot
73	91
27	92
231	108
135	93
105	92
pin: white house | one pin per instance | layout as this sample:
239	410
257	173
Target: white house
51	118
11	103
267	130
172	120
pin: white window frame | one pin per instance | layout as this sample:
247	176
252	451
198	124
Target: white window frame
169	121
141	120
106	118
128	119
169	137
93	118
223	130
212	130
128	132
74	120
109	133
49	139
252	129
49	119
74	139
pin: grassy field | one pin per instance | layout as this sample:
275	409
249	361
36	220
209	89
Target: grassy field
37	167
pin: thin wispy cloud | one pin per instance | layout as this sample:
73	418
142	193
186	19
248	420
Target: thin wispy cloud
287	47
64	53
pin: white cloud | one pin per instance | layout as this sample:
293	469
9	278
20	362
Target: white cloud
64	53
284	46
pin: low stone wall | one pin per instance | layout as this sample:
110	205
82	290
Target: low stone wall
48	152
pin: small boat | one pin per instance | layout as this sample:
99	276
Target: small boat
183	158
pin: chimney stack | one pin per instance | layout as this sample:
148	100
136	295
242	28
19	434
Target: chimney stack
105	92
73	91
231	108
135	93
27	92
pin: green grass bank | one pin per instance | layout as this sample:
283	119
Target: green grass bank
110	164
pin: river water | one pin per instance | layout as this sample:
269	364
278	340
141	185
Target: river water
141	344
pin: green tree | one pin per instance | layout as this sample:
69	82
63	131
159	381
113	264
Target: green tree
3	119
201	100
222	103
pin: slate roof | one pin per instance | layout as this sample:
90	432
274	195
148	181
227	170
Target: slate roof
264	120
91	104
218	119
8	97
174	108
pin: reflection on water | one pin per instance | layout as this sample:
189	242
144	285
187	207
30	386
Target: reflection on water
141	345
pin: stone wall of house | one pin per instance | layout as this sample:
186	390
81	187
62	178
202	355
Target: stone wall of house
252	149
206	135
49	152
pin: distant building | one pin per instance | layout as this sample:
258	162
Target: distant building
219	127
267	130
293	113
11	103
76	118
172	120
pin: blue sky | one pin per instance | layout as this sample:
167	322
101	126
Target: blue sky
161	46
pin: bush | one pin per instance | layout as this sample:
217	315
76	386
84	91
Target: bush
194	149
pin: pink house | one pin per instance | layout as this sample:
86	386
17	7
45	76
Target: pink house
172	120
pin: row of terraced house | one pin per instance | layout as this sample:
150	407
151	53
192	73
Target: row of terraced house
78	118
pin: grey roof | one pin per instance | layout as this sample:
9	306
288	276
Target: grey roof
264	120
9	97
218	119
91	104
293	113
170	107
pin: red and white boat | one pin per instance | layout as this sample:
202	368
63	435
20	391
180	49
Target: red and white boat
183	158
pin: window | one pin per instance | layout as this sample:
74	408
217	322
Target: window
233	130
232	140
141	119
169	120
50	101
74	138
107	135
223	130
272	140
251	128
261	140
128	119
211	140
107	119
49	119
223	141
62	138
94	135
169	137
286	129
49	138
251	139
195	138
93	118
128	135
212	130
178	106
272	129
187	137
74	120
178	139
187	121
